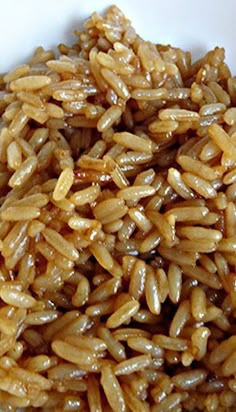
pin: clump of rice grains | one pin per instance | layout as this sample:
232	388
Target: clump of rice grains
118	227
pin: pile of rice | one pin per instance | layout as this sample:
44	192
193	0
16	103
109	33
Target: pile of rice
118	227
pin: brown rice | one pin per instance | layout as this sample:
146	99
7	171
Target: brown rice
118	227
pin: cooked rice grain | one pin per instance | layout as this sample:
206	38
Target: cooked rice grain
29	83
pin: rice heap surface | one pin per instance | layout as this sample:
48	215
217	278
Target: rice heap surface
118	227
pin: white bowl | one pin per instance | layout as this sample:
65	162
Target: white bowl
193	25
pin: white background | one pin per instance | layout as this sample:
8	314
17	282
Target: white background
196	25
